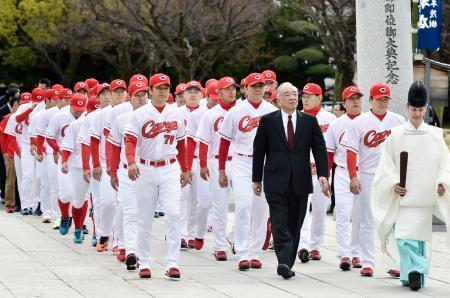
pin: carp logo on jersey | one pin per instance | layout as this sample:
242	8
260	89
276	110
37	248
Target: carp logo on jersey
19	128
247	123
63	130
217	122
324	127
151	129
372	139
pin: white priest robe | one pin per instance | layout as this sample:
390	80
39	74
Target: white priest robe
410	217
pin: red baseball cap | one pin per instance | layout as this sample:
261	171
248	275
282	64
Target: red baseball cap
254	78
380	90
170	99
313	89
159	79
25	97
271	91
269	75
116	84
137	86
78	102
93	91
80	86
37	95
52	93
91	82
65	93
243	82
58	87
101	87
92	104
212	91
180	88
350	91
194	84
225	82
209	82
139	77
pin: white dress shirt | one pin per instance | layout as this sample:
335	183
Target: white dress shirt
284	116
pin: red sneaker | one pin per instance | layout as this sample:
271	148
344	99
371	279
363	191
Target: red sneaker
220	255
191	243
255	264
315	255
198	243
394	273
9	209
244	265
173	273
367	271
268	235
356	262
121	257
145	273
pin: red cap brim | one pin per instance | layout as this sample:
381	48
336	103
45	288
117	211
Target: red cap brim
78	109
143	88
354	93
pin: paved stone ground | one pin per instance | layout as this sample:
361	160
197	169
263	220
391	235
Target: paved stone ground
35	261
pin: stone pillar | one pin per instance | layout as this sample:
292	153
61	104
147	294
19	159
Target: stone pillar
384	48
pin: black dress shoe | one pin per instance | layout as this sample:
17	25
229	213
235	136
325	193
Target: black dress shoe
285	271
303	255
17	209
415	280
161	214
38	211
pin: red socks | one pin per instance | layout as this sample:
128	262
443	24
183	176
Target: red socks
79	214
64	207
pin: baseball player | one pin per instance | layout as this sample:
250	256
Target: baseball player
107	196
270	79
15	136
156	133
104	100
239	129
81	88
193	95
347	244
126	195
91	82
71	165
24	114
362	140
46	156
204	196
313	230
36	129
209	140
179	95
55	133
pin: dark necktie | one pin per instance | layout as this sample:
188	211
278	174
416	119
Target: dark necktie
290	133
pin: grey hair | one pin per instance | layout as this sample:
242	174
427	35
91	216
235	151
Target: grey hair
283	85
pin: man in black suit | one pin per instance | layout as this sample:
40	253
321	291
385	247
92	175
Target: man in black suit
281	150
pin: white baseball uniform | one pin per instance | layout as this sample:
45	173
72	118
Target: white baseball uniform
157	134
364	136
217	200
189	194
347	245
126	196
27	159
313	228
14	129
56	130
108	196
239	127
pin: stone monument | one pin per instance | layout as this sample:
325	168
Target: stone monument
384	48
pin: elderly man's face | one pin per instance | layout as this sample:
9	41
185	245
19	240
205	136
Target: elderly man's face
288	98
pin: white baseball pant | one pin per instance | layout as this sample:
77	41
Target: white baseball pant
252	212
107	203
44	193
118	225
367	226
127	197
94	188
305	231
158	184
320	204
28	177
52	174
18	168
79	187
205	197
347	244
188	206
65	185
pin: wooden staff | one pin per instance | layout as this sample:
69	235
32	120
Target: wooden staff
403	168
